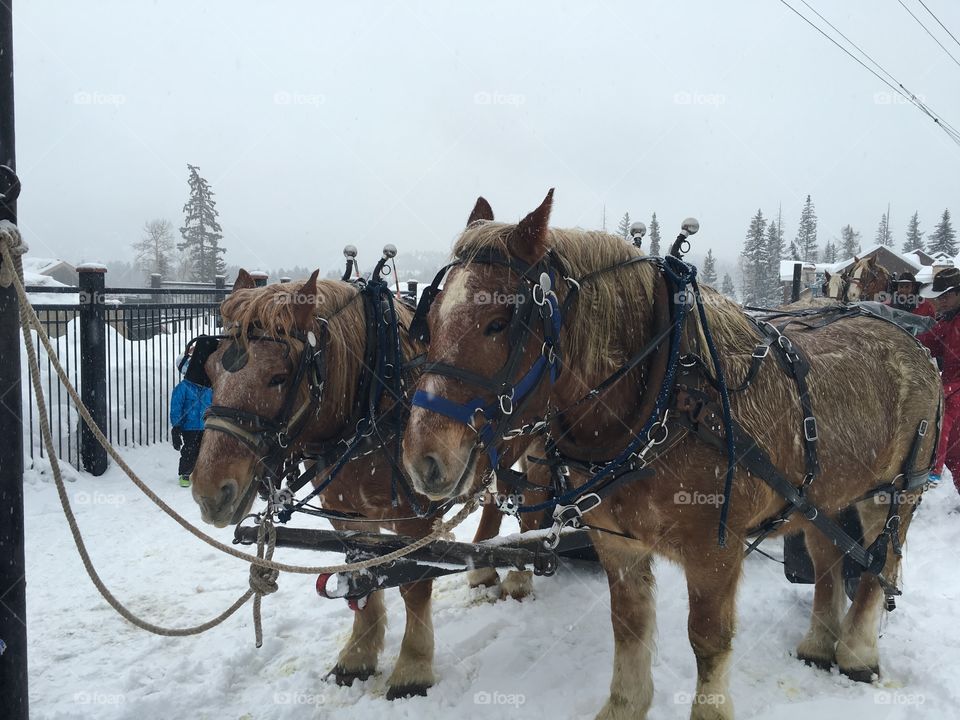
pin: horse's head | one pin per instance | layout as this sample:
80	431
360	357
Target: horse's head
265	388
491	330
835	285
866	279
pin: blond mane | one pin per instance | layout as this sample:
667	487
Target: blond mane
600	336
269	310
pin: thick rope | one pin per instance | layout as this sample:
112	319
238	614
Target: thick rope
264	571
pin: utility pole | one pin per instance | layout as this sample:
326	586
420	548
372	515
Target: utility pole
13	582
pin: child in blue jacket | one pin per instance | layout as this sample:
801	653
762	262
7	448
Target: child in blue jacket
187	406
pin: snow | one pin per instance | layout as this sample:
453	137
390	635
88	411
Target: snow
549	657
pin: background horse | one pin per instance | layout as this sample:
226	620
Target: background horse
675	511
866	280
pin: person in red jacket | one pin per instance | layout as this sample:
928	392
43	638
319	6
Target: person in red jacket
906	296
943	340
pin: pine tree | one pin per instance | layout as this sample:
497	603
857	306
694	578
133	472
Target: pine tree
709	271
830	252
774	250
755	263
806	242
654	235
201	232
623	229
849	242
914	240
727	287
154	250
944	237
884	236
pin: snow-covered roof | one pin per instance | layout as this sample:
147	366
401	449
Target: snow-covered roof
42	266
786	269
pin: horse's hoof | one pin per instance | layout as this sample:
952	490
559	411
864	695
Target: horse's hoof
821	663
483	577
864	675
345	678
406	691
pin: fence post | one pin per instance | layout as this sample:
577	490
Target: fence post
93	364
156	282
259	278
13	582
795	287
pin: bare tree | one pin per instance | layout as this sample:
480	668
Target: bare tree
155	249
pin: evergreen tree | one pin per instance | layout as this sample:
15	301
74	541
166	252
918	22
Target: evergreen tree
849	242
709	271
830	252
201	232
914	240
944	237
623	229
806	242
884	236
774	251
727	287
154	250
755	263
654	235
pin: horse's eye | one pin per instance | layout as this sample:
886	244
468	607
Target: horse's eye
277	380
498	325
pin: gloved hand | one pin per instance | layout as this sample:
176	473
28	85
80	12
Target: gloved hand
176	436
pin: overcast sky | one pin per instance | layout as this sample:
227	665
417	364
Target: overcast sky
320	124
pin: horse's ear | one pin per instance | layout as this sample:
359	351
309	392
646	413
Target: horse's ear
855	259
826	274
244	281
305	303
481	211
528	241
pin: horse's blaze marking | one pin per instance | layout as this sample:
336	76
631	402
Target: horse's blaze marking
454	295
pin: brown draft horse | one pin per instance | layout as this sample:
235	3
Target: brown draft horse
608	323
866	280
225	468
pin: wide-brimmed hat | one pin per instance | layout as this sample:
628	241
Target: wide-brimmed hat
907	277
944	280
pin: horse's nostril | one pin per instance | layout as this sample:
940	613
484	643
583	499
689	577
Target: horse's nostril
227	492
433	472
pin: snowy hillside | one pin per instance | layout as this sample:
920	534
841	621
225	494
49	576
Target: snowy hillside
548	658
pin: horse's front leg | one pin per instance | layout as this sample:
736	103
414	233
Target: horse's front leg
633	612
712	578
358	659
413	673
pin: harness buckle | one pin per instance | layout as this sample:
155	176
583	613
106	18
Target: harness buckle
569	515
761	351
549	353
282	439
506	403
810	429
922	430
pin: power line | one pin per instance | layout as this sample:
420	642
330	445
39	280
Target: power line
947	31
935	38
892	83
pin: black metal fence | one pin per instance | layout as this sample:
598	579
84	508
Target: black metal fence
120	347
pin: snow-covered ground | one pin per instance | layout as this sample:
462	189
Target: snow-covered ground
549	657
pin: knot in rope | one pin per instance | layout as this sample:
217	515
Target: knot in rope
263	580
12	246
